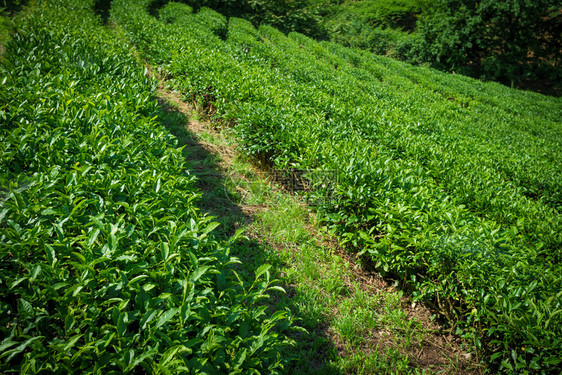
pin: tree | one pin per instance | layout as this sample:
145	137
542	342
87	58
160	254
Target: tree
510	40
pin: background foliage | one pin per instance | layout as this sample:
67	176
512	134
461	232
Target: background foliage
286	15
514	42
508	41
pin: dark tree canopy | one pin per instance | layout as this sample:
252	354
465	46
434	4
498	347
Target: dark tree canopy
510	40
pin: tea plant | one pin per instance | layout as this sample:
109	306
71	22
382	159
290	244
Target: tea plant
107	266
450	185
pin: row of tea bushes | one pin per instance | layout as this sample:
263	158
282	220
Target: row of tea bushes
106	264
441	184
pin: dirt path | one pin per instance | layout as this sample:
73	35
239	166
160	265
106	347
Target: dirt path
212	156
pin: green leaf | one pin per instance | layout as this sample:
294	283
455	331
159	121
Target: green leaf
36	270
196	275
51	255
122	323
244	327
240	358
193	342
24	308
277	288
262	269
3	214
193	259
82	351
70	343
171	352
507	365
113	242
553	360
166	317
69	322
93	236
13	352
6	344
209	229
165	250
145	354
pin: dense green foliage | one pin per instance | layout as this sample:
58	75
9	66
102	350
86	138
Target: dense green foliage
381	26
13	5
395	14
106	265
503	40
286	15
513	42
449	184
507	41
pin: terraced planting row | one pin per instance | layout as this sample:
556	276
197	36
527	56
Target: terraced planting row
106	266
448	184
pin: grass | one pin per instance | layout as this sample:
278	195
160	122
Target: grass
355	322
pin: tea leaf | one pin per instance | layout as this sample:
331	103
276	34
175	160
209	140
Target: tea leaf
166	317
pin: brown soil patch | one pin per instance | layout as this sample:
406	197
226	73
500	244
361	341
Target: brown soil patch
166	98
436	350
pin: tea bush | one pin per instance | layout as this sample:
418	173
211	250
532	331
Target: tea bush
107	266
448	184
172	11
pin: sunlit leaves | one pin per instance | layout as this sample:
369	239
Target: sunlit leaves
449	184
107	266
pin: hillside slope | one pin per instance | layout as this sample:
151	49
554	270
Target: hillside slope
449	184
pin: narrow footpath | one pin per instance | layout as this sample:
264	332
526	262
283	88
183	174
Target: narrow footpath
355	322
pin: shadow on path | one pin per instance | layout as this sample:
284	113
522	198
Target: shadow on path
207	162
